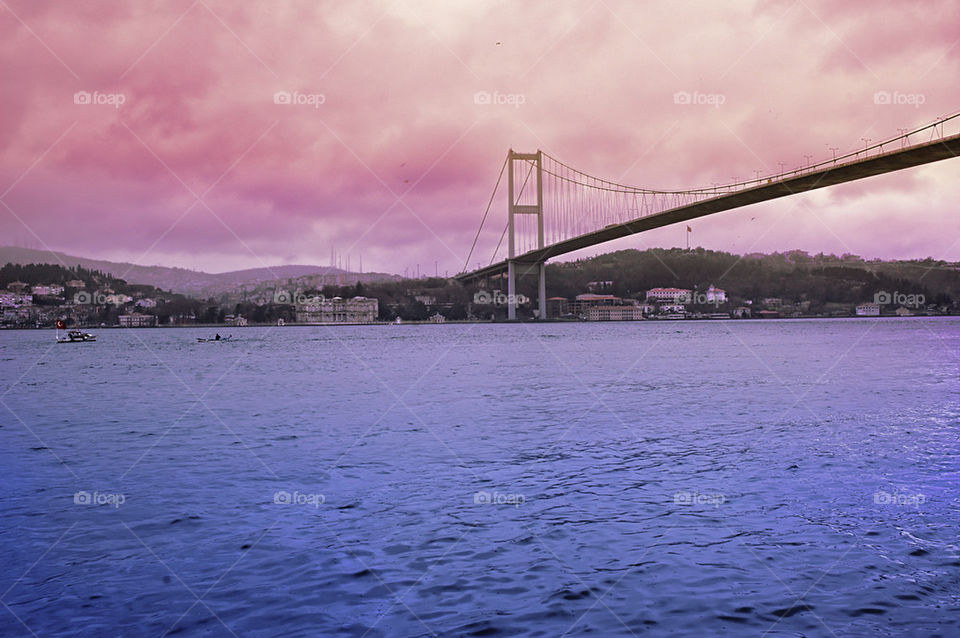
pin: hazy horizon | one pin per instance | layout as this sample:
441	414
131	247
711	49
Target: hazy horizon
560	259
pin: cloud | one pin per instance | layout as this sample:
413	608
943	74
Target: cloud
388	110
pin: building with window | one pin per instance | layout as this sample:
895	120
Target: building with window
669	295
53	290
137	320
868	310
339	310
716	295
557	306
581	303
614	313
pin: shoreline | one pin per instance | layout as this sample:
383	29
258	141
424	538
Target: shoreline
221	326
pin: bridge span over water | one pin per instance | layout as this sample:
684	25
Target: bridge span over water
555	209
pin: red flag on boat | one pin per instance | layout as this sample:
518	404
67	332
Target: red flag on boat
61	324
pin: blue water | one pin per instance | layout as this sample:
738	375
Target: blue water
778	478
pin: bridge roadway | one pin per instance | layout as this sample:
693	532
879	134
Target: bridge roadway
915	155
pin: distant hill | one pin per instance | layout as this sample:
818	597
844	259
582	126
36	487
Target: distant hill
794	275
190	282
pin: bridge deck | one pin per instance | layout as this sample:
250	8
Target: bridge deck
888	162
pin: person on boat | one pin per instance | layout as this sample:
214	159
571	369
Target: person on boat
229	336
218	337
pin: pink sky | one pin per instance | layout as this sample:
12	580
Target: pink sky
398	161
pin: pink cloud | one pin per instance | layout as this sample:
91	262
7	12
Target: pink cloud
398	117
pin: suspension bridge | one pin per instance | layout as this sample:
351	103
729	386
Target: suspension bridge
553	209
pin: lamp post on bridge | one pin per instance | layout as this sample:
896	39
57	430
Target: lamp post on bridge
903	136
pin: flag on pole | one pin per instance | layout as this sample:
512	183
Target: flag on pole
689	230
61	324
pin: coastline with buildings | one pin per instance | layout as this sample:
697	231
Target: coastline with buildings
608	287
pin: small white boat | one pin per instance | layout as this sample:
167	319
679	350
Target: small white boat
77	336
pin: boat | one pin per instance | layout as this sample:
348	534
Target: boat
77	336
205	340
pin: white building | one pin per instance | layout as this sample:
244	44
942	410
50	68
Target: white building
53	290
716	295
669	295
868	310
339	310
673	308
146	302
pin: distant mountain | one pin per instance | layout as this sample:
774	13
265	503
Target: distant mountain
191	282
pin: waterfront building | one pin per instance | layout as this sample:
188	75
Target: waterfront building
137	320
339	310
672	308
868	310
557	306
614	313
582	302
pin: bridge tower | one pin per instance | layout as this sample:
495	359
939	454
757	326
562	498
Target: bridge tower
515	207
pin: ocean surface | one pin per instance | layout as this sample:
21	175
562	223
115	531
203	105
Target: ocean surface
739	478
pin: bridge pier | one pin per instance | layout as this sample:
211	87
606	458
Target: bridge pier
511	291
517	204
517	269
542	291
